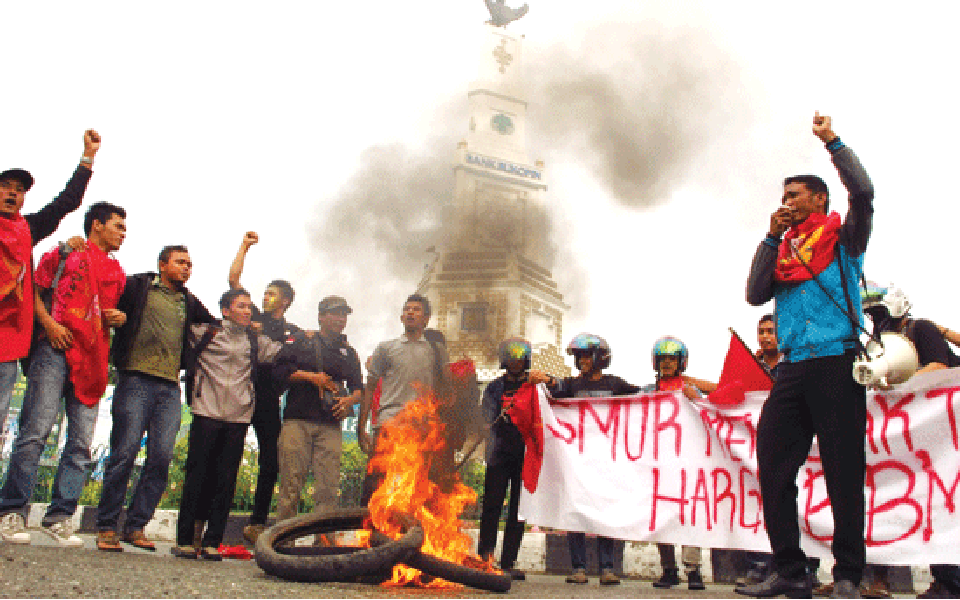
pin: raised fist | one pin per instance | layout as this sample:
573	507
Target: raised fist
91	142
823	128
250	238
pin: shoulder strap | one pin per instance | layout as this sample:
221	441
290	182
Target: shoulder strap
194	358
254	349
48	296
318	349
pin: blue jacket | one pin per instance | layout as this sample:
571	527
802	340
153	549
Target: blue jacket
809	323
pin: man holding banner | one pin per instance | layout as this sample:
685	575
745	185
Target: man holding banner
812	273
592	355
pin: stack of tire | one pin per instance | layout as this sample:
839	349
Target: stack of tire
277	555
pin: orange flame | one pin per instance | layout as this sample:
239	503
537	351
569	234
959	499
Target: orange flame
412	455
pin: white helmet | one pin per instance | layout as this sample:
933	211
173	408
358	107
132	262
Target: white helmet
891	298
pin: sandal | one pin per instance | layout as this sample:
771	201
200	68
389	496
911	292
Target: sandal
183	552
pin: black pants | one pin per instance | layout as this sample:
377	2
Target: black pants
266	424
499	475
948	575
213	459
818	397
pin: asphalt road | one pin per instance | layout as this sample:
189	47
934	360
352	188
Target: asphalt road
43	570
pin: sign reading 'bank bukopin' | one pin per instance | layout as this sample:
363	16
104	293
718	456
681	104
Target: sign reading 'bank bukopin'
506	167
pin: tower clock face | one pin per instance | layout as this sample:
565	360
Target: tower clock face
502	124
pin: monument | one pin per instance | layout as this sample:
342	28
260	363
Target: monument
492	281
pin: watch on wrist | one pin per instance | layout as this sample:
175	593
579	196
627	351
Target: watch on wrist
86	160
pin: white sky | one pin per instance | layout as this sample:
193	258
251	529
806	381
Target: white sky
220	117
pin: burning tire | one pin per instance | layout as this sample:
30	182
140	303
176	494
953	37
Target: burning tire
444	569
341	564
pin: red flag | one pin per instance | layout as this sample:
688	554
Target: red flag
525	414
741	373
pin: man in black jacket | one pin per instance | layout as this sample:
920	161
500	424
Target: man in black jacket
311	437
148	351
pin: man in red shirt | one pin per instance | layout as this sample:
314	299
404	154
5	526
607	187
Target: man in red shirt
70	362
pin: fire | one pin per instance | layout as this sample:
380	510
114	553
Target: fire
420	481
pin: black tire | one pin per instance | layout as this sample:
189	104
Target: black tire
444	569
330	566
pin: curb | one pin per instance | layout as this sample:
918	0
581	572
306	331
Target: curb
540	552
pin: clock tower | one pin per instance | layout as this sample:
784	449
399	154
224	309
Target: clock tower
493	282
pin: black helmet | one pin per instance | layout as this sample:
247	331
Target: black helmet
594	345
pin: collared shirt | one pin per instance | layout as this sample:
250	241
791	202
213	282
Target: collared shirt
338	359
403	364
159	341
223	388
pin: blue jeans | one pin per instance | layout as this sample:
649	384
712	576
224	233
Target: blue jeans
141	404
8	377
577	541
47	382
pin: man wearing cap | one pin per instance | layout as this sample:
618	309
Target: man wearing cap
18	235
320	368
277	298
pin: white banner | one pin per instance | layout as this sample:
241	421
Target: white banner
658	467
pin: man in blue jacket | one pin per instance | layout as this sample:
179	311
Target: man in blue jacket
810	263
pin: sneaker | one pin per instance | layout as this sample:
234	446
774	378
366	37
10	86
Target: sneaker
516	574
695	580
938	590
108	541
62	533
668	579
578	576
608	577
252	532
13	529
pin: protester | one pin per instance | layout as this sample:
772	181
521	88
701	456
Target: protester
18	235
769	356
591	354
413	360
318	366
277	298
505	449
768	352
68	363
148	352
670	357
221	397
891	312
812	273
